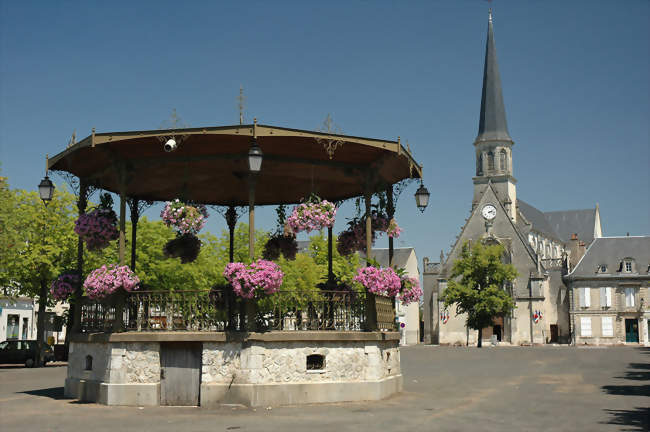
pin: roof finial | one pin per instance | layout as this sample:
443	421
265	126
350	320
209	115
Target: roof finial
490	14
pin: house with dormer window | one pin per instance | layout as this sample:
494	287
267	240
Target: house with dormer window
609	292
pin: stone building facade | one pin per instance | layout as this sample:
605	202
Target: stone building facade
610	292
542	246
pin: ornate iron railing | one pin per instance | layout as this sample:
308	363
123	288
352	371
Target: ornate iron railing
219	310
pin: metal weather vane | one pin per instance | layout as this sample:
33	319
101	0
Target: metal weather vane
330	144
174	122
241	99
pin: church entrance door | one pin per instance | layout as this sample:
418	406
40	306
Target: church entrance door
555	335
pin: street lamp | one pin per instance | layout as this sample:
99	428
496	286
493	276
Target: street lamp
255	157
46	190
422	197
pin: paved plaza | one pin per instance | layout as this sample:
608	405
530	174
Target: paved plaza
445	389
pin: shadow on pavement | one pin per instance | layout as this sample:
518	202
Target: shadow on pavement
637	419
52	392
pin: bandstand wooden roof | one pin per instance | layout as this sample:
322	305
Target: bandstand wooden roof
210	164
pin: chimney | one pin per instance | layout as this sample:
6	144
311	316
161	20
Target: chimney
574	250
581	249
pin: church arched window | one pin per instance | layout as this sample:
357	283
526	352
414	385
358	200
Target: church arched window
479	164
503	161
490	157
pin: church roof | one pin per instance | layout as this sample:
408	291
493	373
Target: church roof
568	222
538	219
560	225
492	120
611	251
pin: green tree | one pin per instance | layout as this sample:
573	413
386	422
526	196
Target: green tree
344	267
477	285
46	246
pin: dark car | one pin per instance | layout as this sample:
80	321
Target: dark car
23	351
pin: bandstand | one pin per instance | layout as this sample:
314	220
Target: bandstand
152	347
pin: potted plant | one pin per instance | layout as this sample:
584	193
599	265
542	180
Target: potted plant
283	241
64	285
108	280
187	220
98	226
313	214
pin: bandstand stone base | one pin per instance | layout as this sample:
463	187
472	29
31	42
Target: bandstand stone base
256	369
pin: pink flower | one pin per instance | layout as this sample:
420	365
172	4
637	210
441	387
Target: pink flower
411	290
261	277
185	218
105	280
380	281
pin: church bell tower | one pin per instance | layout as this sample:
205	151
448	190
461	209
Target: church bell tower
493	144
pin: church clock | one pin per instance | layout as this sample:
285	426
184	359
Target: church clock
489	212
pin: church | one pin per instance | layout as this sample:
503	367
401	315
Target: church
542	246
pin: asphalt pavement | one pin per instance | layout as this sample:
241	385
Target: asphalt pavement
445	389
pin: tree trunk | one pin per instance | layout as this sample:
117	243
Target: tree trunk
480	337
40	323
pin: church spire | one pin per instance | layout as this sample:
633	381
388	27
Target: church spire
492	121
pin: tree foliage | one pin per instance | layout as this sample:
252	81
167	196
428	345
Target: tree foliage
477	285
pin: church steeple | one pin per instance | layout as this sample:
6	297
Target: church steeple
493	144
492	121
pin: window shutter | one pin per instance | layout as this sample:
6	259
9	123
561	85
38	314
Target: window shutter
585	326
629	297
608	328
608	297
581	297
603	297
587	297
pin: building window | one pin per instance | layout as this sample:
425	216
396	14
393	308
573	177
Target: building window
479	165
606	297
503	161
89	363
603	268
628	266
584	295
585	327
490	157
607	326
629	297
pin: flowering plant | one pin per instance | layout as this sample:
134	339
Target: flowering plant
354	238
284	244
105	280
261	277
64	285
410	290
378	280
314	214
98	227
185	218
393	230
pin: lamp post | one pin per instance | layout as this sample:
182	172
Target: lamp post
46	190
422	197
255	157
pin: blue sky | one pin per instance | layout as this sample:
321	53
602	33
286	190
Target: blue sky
574	75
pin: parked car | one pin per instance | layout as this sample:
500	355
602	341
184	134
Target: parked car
23	351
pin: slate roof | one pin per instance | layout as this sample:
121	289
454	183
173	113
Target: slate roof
611	251
568	222
492	119
560	225
538	219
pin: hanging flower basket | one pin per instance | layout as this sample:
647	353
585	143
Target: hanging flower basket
410	290
184	218
105	281
255	280
186	247
98	227
379	280
314	214
354	238
284	244
64	285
